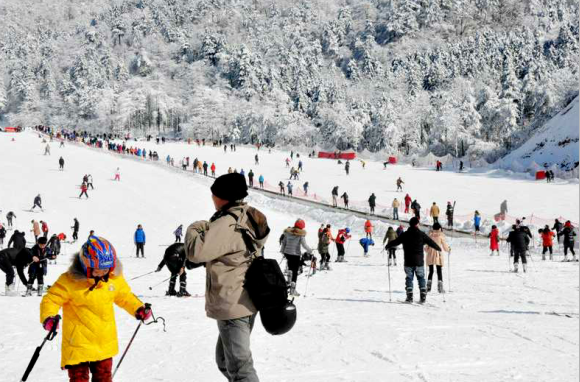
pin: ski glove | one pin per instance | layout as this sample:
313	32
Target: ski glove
48	324
143	313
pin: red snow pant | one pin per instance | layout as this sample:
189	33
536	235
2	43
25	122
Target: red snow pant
406	208
101	371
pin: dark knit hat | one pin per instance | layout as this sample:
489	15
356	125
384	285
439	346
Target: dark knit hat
230	187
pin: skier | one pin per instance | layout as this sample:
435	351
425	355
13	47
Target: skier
174	258
305	187
341	238
568	235
251	178
205	166
324	240
434	213
395	206
40	255
434	257
416	207
292	241
118	174
390	236
547	242
413	240
344	198
519	245
400	184
282	188
261	181
335	196
347	167
75	228
17	240
84	189
54	246
289	186
476	222
37	203
10	258
35	230
372	203
61	164
494	240
407	203
369	229
9	216
365	242
287	162
139	239
449	214
300	164
212	168
256	159
90	182
178	233
88	289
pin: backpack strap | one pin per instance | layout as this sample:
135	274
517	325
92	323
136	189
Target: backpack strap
245	235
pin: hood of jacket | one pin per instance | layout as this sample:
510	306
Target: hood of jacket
295	231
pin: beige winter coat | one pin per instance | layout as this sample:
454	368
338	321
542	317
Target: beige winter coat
219	244
435	257
435	211
36	228
396	204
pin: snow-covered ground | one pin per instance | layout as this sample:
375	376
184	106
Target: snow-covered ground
494	325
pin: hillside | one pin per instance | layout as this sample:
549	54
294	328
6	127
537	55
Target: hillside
407	76
554	146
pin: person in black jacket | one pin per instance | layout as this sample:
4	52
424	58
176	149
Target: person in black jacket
54	245
449	214
2	235
416	207
568	235
372	203
75	228
12	257
36	271
17	240
174	258
414	240
519	239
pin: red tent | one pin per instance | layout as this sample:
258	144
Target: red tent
540	175
392	160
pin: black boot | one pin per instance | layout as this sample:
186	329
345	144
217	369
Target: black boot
182	291
423	296
409	296
429	282
171	291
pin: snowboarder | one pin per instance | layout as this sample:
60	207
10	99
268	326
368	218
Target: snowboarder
435	259
292	241
390	236
97	282
61	164
434	213
324	240
547	242
341	238
37	203
75	228
335	196
449	214
369	229
9	216
568	235
261	181
395	206
344	198
413	240
372	203
365	242
174	258
139	239
494	240
36	271
84	190
407	203
178	233
400	185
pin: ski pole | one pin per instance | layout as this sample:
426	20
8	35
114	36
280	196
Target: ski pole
156	285
147	306
148	273
389	273
49	337
308	279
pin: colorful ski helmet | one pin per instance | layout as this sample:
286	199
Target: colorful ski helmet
98	253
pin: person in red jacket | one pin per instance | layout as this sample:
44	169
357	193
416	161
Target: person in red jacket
84	189
212	168
407	203
547	241
494	240
341	238
44	228
369	229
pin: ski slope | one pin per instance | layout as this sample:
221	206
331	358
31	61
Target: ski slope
493	326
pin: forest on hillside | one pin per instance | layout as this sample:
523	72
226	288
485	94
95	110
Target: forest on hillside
459	77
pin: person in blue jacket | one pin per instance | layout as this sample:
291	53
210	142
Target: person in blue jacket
365	243
476	220
261	180
140	240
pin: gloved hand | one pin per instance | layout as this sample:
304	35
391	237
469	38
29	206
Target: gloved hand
48	324
143	313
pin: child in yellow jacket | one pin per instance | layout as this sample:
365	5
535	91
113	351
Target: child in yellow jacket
86	293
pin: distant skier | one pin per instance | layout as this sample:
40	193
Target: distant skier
416	207
282	188
400	184
324	239
494	240
212	168
90	181
395	206
434	213
547	242
44	228
449	214
344	198
305	187
335	196
568	234
84	189
390	236
293	239
460	165
369	229
300	164
174	258
118	174
413	240
2	235
205	167
365	242
407	203
476	222
54	246
256	159
372	203
289	186
61	164
341	238
251	178
17	240
503	209
347	167
178	233
37	203
75	228
139	239
47	149
9	216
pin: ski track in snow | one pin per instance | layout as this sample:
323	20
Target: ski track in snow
494	325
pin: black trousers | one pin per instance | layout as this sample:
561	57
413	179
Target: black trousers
140	248
569	246
182	280
36	272
339	249
517	255
293	265
439	272
75	235
392	254
6	267
545	249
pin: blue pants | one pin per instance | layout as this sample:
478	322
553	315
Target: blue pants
410	272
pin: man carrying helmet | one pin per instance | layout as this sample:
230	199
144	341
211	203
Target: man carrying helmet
220	244
292	241
86	293
341	238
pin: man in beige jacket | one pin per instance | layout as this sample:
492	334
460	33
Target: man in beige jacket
434	213
220	245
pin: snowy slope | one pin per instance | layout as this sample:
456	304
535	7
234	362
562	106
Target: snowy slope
555	145
494	326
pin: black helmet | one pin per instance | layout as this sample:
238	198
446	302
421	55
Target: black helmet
279	320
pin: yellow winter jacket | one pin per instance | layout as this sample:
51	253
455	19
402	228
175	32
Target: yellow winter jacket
89	332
